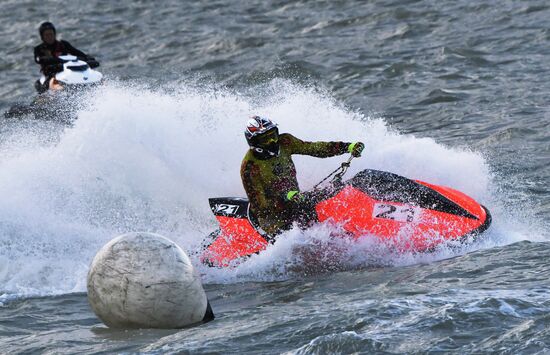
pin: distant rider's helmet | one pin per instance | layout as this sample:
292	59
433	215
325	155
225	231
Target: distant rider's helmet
45	26
262	136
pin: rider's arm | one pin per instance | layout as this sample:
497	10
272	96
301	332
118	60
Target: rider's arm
72	50
315	149
44	59
92	62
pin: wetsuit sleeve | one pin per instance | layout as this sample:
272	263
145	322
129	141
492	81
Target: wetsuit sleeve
92	62
73	51
314	149
255	189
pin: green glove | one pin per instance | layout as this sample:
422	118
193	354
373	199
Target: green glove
355	149
294	196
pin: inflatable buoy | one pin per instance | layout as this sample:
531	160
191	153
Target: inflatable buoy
144	280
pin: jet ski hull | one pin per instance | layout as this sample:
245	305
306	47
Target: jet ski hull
405	214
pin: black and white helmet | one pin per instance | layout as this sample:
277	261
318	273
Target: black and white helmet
262	135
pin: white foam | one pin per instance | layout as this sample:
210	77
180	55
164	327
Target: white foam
148	160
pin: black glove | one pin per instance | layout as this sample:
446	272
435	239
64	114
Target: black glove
92	63
90	60
355	149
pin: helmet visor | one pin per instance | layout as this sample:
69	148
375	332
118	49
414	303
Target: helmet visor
267	139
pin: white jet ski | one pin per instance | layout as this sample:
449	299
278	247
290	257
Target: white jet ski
75	75
75	72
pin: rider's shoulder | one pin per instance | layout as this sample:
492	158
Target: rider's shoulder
249	158
286	138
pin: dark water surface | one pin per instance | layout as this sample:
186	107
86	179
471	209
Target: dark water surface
470	76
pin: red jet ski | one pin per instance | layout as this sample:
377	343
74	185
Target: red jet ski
410	215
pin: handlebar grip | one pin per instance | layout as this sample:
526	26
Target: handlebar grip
93	63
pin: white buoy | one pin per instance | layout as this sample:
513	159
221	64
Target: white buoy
143	280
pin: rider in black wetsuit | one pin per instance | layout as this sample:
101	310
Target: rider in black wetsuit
47	54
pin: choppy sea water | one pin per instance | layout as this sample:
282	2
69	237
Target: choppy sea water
454	93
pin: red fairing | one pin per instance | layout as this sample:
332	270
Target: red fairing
403	226
464	201
237	238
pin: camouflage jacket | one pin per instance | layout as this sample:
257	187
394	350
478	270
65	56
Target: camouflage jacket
267	181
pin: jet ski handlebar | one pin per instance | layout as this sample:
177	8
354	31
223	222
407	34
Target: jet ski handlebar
91	61
337	174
